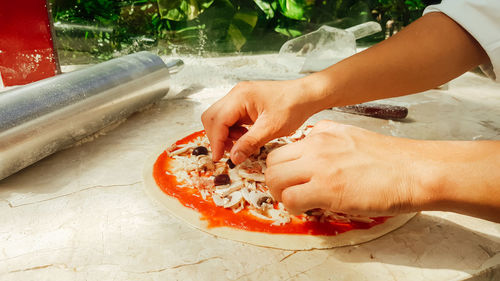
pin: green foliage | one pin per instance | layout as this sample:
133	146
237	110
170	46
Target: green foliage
267	8
214	26
401	11
100	11
296	9
178	10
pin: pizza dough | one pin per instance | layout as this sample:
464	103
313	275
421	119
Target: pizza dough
280	241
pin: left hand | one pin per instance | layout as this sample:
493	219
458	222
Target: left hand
347	169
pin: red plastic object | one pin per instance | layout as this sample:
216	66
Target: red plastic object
27	52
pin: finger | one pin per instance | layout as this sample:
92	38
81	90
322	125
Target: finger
217	136
217	123
236	131
284	175
288	152
298	199
258	135
228	144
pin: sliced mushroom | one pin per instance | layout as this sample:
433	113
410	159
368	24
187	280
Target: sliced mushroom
234	198
219	201
255	198
259	215
223	192
182	150
205	162
251	176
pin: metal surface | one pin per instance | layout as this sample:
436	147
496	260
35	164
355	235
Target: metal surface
41	118
175	66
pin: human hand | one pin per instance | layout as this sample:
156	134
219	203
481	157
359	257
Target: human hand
275	108
346	169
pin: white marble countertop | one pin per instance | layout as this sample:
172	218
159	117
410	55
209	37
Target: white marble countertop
82	214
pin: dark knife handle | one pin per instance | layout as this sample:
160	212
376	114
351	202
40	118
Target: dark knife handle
383	111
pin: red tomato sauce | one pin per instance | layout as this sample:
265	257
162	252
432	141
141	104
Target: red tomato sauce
218	216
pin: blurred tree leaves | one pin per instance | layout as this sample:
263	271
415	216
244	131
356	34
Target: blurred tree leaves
296	9
241	27
227	23
401	11
232	23
267	7
178	10
214	26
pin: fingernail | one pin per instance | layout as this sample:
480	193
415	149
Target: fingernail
239	157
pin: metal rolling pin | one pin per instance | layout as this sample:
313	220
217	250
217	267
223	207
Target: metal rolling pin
41	118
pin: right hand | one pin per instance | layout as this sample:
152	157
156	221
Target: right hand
350	170
273	108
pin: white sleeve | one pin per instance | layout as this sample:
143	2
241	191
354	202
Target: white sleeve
481	18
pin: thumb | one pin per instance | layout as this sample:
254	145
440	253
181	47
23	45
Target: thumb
258	135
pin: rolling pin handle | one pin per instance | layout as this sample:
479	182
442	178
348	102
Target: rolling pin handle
175	66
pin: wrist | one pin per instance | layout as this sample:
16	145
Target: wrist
319	91
460	176
427	174
429	192
437	185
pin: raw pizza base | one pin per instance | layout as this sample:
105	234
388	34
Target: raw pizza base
279	241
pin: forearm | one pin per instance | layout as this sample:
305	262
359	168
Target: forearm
462	177
426	54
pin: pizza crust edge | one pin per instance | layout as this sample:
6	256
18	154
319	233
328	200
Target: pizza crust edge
279	241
